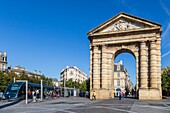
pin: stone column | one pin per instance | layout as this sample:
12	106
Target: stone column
104	67
153	64
91	67
137	71
96	73
158	45
143	66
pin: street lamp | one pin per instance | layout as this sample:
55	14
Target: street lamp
64	83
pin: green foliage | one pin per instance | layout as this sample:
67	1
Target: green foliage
6	79
166	80
84	86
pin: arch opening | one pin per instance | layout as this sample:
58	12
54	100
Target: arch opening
125	73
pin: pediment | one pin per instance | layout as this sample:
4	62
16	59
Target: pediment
123	22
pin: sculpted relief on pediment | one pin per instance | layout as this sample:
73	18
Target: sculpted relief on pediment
123	24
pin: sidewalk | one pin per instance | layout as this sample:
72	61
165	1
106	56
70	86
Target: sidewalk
5	103
85	105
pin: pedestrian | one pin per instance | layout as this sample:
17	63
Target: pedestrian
37	94
120	95
29	94
123	95
94	95
34	95
51	94
56	94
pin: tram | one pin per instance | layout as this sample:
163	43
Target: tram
17	90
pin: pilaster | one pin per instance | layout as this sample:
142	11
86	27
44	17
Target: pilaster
158	45
96	65
104	67
91	66
153	64
143	66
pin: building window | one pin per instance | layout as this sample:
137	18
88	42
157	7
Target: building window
3	67
118	68
71	73
118	82
118	74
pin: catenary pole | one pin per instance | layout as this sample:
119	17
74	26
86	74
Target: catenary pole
41	90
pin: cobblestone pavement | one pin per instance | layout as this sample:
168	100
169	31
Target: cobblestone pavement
83	105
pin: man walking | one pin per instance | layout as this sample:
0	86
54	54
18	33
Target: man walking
120	95
94	95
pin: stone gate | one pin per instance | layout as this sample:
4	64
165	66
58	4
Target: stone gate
126	33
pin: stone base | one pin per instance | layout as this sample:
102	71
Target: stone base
149	94
102	94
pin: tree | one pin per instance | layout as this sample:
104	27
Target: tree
88	84
83	86
69	83
4	81
166	81
8	78
23	76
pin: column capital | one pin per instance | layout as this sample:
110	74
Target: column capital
152	44
142	42
104	45
153	41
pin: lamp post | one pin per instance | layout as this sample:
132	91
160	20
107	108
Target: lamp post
41	90
64	83
64	87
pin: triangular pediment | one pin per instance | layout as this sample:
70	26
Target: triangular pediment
123	22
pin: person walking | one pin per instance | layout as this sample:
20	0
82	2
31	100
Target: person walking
56	94
94	95
123	95
34	95
120	95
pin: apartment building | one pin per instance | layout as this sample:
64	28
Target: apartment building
73	73
19	70
122	80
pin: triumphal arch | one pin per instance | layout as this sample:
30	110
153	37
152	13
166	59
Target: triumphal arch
126	33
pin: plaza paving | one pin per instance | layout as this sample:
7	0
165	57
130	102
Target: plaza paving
84	105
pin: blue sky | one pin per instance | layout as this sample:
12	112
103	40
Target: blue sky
48	35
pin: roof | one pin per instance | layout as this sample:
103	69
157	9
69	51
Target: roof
126	16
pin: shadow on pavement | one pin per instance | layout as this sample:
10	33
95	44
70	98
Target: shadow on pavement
10	104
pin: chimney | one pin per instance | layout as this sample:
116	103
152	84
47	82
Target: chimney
35	71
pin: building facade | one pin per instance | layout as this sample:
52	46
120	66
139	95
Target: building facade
55	82
73	73
3	61
122	80
19	70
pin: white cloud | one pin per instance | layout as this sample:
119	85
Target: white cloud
165	8
167	53
167	31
